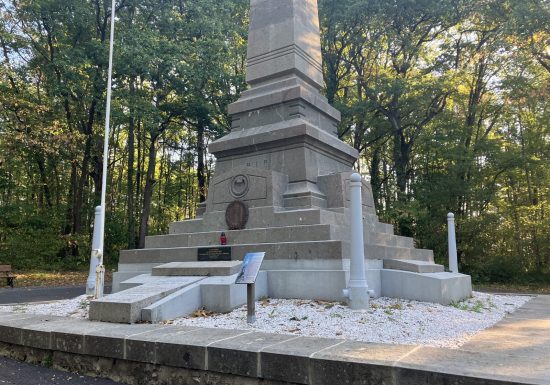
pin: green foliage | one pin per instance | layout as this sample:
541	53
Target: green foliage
447	102
448	105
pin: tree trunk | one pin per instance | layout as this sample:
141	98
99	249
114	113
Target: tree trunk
148	192
71	199
201	171
131	235
44	180
375	176
79	198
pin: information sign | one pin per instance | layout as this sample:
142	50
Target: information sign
250	268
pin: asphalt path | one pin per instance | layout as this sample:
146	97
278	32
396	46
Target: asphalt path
40	294
21	373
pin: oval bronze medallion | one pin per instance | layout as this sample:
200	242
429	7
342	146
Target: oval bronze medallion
236	215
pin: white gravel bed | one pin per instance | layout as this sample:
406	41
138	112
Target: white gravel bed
75	307
389	320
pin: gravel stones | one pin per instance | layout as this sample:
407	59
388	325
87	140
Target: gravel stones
389	320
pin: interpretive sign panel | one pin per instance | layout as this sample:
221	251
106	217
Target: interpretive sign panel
211	254
250	268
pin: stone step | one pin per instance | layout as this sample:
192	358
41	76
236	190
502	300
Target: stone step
413	265
246	236
217	268
180	303
394	252
272	235
219	294
309	250
380	227
125	306
260	217
443	288
388	239
283	250
422	255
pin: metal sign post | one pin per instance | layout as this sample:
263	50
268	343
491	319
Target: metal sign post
247	275
250	303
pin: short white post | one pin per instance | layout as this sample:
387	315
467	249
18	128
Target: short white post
95	259
358	290
99	281
453	259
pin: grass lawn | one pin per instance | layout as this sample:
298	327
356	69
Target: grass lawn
513	288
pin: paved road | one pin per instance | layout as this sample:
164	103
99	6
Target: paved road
20	373
40	294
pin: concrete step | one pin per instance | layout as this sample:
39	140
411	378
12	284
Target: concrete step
308	250
383	228
388	239
422	255
125	306
218	294
180	303
412	265
208	269
311	250
246	236
443	288
259	217
395	252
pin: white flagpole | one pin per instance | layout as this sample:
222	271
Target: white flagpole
100	275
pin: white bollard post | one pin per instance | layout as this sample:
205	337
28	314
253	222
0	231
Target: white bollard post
358	290
453	259
99	281
95	259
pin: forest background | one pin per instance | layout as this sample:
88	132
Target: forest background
447	102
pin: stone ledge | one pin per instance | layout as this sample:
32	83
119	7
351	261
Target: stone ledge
212	268
246	357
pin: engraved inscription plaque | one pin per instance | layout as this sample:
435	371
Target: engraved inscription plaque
236	215
210	254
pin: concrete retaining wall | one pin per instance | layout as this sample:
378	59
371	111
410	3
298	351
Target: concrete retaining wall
161	354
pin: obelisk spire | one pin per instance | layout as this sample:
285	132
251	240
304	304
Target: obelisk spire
284	40
283	125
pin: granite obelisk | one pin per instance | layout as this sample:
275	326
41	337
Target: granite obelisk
283	123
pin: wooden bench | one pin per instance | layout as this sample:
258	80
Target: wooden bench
5	272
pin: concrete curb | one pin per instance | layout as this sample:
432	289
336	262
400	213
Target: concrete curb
161	354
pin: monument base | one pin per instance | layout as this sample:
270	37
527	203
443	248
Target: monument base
307	254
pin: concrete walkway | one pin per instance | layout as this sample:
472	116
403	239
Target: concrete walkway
515	351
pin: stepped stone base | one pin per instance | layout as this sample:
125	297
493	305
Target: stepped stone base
307	257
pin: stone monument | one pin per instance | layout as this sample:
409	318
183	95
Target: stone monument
281	186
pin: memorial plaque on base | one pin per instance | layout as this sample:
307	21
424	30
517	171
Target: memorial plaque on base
210	254
250	268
